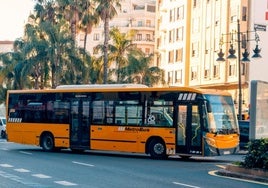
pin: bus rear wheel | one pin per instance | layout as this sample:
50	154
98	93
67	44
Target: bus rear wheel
47	142
157	149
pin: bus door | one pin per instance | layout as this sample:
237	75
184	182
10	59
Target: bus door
189	130
80	122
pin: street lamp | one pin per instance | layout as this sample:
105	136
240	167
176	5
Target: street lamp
245	55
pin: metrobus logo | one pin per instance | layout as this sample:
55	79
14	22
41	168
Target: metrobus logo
134	129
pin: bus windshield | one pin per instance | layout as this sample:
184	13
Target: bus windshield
222	117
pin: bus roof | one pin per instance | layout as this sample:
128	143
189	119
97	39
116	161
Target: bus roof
88	86
215	92
118	88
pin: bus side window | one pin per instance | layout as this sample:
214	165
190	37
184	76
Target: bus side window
128	113
98	112
160	116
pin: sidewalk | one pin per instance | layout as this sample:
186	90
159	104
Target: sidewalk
258	175
232	170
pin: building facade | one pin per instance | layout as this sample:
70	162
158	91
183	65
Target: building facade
189	36
138	15
259	16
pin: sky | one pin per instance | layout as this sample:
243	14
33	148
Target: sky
13	16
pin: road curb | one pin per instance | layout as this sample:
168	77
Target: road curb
244	173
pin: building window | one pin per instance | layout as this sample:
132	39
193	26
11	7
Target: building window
178	76
206	74
179	55
207	46
170	77
196	3
244	14
147	51
180	13
171	33
244	41
233	19
148	37
171	15
139	23
148	23
150	8
231	70
195	49
216	71
139	37
179	34
96	36
158	41
243	69
171	56
194	73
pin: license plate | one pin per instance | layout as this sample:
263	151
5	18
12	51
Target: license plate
226	152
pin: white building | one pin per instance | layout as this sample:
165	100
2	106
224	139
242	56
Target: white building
259	15
136	15
189	36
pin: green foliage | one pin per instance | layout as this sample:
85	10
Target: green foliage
48	54
257	156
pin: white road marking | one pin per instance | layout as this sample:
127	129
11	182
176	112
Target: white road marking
65	183
6	165
19	179
29	183
84	164
27	153
43	176
21	170
186	185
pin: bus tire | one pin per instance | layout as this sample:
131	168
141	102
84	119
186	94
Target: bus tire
47	142
157	149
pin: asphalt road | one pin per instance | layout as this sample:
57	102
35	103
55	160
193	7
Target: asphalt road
29	166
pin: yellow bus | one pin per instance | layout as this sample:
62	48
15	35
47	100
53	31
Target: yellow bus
127	118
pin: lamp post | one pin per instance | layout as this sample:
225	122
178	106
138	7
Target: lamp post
245	59
239	73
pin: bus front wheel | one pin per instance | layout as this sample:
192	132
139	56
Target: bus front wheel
47	142
157	149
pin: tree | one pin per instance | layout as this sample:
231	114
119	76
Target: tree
89	18
140	71
106	9
11	75
120	47
71	11
47	49
64	58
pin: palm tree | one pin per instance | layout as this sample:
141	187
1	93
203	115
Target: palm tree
71	11
65	59
11	74
120	47
106	9
140	71
89	18
46	49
